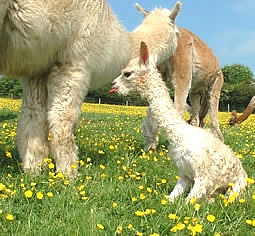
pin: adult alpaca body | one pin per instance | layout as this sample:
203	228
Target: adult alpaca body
200	157
236	120
59	50
193	70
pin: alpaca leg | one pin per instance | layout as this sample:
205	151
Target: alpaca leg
214	106
150	132
241	183
183	184
202	188
180	100
195	108
32	130
203	110
67	85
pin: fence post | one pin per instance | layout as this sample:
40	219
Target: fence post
228	108
126	103
99	100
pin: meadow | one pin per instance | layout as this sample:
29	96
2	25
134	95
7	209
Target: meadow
121	190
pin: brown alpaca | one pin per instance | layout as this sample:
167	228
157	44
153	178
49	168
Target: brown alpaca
236	120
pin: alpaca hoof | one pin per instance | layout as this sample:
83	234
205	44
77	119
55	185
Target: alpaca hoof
170	199
151	147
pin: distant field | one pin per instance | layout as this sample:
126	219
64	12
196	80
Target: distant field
120	190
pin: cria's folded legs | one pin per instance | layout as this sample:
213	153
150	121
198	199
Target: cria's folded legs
66	90
32	130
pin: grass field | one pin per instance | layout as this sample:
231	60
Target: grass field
121	190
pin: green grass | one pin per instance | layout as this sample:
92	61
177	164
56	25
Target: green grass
103	192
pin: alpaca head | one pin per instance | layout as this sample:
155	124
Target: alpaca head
170	14
137	75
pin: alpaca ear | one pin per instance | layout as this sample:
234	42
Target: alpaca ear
144	54
141	10
175	11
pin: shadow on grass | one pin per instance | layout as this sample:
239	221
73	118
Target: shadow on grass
6	114
9	165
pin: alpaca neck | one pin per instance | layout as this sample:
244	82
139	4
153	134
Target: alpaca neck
162	107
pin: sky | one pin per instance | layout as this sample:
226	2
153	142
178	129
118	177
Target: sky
227	26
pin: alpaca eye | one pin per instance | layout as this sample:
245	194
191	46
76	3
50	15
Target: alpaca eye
127	74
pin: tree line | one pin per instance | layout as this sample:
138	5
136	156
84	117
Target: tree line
238	89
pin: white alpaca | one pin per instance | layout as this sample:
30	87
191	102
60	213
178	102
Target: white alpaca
200	157
59	50
194	70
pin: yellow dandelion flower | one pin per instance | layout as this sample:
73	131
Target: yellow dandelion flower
180	226
51	166
101	152
198	228
231	185
249	222
111	147
102	167
82	193
177	177
100	226
242	200
50	194
33	184
250	181
60	175
196	207
192	200
141	187
139	234
9	217
211	218
253	196
147	211
149	190
89	178
73	166
142	196
39	195
2	187
163	202
28	194
134	199
153	211
119	230
139	213
130	226
173	217
163	181
174	229
114	204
